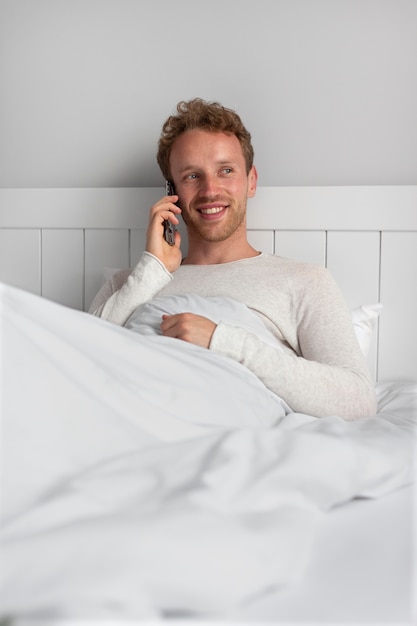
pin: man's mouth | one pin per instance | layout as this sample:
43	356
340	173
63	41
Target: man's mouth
212	210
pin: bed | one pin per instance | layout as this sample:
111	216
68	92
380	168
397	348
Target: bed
124	499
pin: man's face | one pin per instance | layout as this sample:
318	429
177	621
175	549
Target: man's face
209	173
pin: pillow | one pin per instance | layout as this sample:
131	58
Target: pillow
364	321
109	271
146	319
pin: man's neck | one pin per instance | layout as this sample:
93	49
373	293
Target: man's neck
213	253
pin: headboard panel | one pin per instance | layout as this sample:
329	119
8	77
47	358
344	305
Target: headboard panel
57	242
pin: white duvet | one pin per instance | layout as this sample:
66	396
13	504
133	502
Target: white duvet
145	477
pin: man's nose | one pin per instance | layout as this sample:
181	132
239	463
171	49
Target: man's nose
209	185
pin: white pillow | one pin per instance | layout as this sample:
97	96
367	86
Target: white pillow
364	321
146	319
108	272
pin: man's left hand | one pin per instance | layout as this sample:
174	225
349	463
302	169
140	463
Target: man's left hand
188	327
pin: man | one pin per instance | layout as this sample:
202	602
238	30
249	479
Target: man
206	153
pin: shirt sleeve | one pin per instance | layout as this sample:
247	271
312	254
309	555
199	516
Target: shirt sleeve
116	303
326	374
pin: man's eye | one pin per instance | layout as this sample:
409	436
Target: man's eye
227	170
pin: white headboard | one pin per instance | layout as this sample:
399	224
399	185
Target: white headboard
57	242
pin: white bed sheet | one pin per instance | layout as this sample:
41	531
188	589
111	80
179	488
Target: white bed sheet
120	503
362	570
363	566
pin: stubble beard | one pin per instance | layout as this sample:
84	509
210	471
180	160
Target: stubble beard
213	232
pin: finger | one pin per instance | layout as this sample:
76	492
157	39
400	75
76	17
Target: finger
168	325
174	198
163	214
177	237
171	199
167	203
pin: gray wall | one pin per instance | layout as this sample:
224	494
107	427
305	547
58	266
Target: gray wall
328	88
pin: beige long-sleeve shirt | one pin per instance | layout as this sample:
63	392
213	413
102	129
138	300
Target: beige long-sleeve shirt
321	370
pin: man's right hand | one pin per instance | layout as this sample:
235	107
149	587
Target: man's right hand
164	209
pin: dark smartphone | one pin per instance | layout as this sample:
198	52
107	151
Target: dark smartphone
169	188
169	230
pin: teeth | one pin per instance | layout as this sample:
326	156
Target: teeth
216	209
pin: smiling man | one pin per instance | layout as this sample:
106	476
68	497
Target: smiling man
314	362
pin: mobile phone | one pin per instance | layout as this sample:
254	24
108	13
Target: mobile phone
169	188
169	229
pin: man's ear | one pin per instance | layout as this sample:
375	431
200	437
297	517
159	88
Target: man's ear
252	181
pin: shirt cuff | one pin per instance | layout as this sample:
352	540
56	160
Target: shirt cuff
229	341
